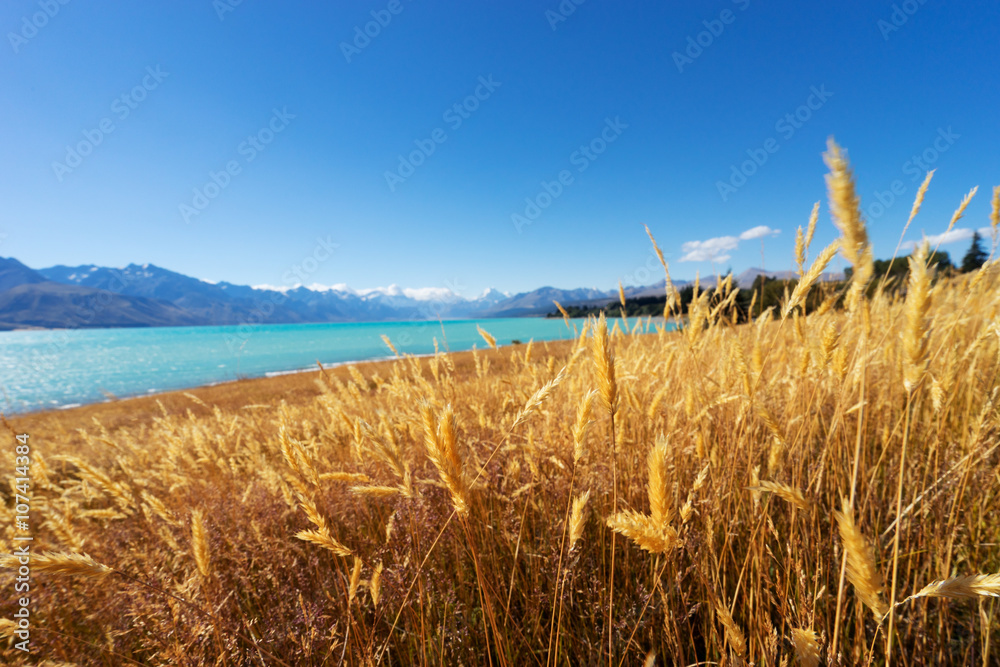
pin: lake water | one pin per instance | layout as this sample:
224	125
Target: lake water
57	369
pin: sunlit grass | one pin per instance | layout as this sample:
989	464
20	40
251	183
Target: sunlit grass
726	493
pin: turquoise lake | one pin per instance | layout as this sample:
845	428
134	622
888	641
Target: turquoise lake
57	369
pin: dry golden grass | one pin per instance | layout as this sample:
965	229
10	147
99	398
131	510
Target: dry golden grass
598	501
806	647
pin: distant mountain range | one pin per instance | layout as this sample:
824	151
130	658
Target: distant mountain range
150	296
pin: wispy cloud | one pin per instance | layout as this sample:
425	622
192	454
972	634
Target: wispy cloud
760	231
954	236
718	249
710	250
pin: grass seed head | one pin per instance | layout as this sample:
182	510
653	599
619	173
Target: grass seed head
62	563
861	570
845	206
490	340
604	362
657	488
578	518
199	544
806	647
915	332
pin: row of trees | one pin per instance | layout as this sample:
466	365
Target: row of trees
973	259
976	256
768	292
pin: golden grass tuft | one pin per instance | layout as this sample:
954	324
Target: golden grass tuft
919	199
967	587
861	570
536	400
645	531
442	450
388	344
604	362
7	628
321	535
582	424
806	644
355	580
787	493
845	206
375	584
918	302
960	211
62	563
578	518
658	485
562	311
809	279
490	340
734	636
199	544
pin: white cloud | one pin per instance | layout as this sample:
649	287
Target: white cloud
953	236
717	249
757	232
710	250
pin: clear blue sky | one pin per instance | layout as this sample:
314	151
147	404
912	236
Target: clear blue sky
887	94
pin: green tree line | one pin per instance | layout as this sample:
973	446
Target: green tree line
770	292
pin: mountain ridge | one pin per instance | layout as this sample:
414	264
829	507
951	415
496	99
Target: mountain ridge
148	295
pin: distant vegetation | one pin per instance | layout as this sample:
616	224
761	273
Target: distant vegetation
769	292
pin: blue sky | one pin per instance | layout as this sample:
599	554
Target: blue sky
605	118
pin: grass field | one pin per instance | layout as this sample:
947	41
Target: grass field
804	489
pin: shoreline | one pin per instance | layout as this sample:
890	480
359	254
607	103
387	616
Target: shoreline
145	382
294	387
7	327
153	393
